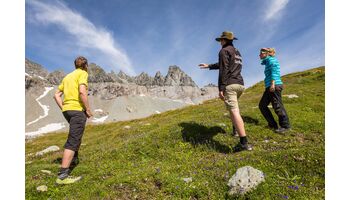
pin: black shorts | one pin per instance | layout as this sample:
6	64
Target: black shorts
76	120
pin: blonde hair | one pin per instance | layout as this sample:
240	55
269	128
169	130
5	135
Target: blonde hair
271	51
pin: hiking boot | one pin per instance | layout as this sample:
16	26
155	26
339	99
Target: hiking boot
242	147
68	180
282	130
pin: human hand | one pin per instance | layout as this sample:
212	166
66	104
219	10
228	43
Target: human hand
88	113
221	95
272	88
203	65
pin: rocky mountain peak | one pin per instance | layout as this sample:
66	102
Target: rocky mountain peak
35	69
97	74
177	77
56	77
143	79
158	79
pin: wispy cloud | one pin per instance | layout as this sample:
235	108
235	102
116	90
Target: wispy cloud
275	9
86	34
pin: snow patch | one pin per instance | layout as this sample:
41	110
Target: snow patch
157	112
44	107
28	75
45	129
40	77
98	120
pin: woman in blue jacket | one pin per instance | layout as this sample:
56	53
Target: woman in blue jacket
273	90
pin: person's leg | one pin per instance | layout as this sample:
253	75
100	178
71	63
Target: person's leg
265	111
77	120
67	158
278	107
232	93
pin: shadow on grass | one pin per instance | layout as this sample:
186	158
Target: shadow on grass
250	120
197	134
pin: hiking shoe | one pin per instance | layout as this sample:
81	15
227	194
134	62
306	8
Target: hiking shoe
68	180
282	130
63	173
242	147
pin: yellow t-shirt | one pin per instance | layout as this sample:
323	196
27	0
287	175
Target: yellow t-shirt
70	88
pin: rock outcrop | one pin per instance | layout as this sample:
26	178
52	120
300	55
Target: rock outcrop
176	77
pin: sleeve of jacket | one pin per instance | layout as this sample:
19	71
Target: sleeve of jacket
213	66
223	69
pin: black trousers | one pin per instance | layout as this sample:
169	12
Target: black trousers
76	120
276	99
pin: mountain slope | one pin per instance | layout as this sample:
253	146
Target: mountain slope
149	159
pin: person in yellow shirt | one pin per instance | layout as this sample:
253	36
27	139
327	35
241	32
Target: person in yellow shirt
76	110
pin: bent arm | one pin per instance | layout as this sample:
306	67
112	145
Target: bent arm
58	98
84	97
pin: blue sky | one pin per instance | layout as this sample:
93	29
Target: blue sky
148	36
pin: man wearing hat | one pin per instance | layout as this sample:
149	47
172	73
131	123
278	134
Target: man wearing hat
231	84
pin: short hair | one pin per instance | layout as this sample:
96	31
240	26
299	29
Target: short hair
81	62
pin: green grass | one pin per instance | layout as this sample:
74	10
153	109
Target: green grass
150	161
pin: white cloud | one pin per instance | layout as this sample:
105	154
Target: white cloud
87	35
275	10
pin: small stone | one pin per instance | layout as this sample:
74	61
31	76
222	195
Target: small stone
291	96
45	171
226	114
266	141
127	127
274	142
83	144
47	150
187	180
245	179
41	188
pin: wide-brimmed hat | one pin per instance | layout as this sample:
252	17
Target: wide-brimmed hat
226	35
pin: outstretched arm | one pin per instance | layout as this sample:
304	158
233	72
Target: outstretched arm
210	66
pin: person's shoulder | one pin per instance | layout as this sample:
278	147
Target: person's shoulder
81	72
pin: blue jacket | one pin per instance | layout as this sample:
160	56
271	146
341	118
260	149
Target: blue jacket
272	71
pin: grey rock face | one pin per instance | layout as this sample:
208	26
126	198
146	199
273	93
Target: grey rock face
116	78
35	76
34	69
176	77
55	77
143	79
97	74
125	77
158	79
245	179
